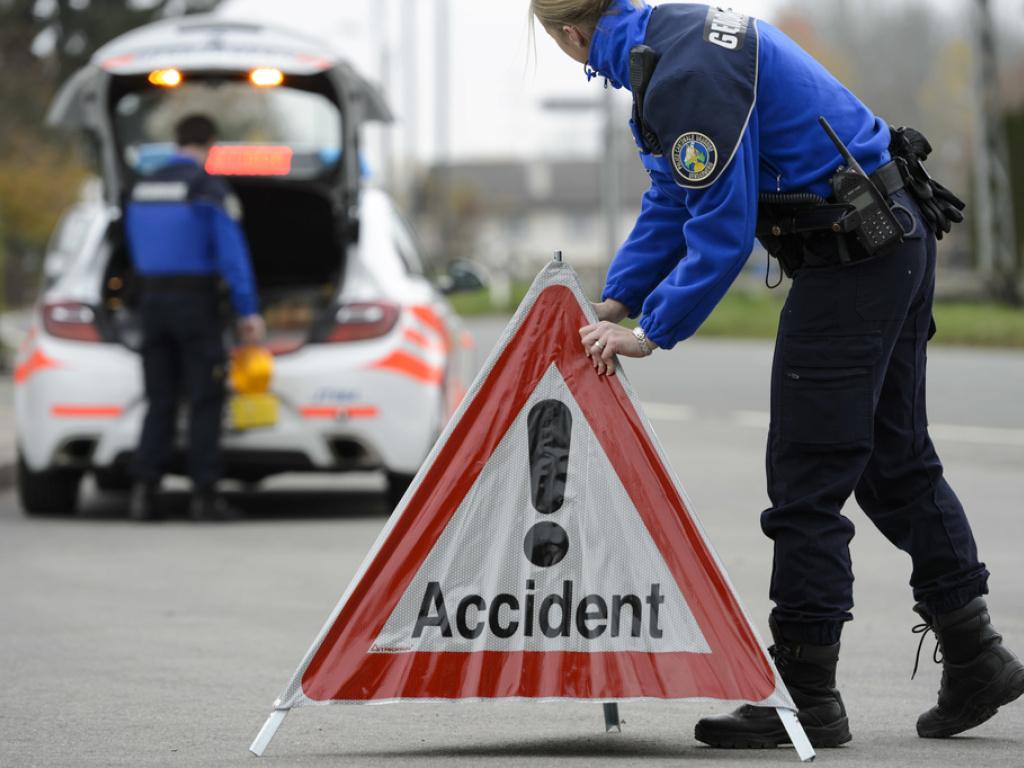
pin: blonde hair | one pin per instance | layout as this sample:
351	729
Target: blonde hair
580	13
553	14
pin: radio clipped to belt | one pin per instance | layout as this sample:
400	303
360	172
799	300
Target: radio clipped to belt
870	216
861	205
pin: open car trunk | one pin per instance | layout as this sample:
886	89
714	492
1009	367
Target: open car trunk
297	257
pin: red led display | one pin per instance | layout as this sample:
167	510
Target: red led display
249	160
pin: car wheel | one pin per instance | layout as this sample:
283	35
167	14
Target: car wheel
398	484
50	492
113	480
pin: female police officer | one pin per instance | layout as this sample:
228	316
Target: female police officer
727	116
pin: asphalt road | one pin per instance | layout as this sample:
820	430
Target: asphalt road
165	645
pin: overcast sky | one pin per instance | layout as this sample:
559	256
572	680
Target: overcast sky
496	84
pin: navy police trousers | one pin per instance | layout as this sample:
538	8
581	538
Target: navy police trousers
848	417
182	358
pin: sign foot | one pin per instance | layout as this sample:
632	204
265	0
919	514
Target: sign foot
262	740
804	750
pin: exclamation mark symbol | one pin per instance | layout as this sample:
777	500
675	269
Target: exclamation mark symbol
550	429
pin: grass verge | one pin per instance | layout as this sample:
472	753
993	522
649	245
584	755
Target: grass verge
476	303
979	325
756	315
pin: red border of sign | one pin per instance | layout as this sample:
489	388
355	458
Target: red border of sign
735	669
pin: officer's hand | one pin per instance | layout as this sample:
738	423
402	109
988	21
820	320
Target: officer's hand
603	341
252	329
611	310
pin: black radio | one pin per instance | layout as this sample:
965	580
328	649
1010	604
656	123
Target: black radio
642	61
877	227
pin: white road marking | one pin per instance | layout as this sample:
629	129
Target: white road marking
752	419
978	435
668	411
956	433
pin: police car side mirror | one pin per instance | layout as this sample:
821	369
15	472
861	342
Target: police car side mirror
462	276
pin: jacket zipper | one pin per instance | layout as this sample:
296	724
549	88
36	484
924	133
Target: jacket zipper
774	169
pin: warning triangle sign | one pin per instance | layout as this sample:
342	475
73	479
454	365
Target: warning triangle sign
484	563
544	551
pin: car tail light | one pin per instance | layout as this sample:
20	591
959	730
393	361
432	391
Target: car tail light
71	320
357	322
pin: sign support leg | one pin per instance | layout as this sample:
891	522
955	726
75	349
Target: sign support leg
611	717
804	750
262	740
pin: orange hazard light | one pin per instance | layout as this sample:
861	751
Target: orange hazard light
266	77
165	78
230	160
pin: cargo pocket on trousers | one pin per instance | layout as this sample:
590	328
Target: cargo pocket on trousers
827	388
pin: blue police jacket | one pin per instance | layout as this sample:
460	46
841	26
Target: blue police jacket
180	221
734	105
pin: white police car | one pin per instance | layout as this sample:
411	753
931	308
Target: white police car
369	358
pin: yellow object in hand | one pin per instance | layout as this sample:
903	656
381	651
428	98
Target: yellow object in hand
251	369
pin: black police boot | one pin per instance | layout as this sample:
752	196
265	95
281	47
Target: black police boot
208	506
979	674
809	672
142	506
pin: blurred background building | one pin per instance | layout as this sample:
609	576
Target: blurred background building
502	152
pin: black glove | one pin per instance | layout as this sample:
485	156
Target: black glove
940	207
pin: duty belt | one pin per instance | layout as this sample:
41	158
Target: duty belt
180	283
800	220
808	230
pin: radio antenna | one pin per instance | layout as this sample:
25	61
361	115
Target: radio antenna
851	161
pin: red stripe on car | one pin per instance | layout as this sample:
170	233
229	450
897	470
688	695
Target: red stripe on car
87	411
426	315
34	363
339	411
406	364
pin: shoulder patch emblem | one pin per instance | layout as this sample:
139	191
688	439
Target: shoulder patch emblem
694	156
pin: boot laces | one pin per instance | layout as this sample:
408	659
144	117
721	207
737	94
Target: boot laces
923	629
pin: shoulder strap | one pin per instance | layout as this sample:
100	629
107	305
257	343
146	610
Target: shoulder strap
704	90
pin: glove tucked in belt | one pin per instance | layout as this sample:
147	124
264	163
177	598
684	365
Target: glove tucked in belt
940	207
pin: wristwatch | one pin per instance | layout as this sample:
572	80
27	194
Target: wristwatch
645	345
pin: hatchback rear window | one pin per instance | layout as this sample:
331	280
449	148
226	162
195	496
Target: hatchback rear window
278	131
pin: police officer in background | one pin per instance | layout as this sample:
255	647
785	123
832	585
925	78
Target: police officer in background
184	237
726	115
